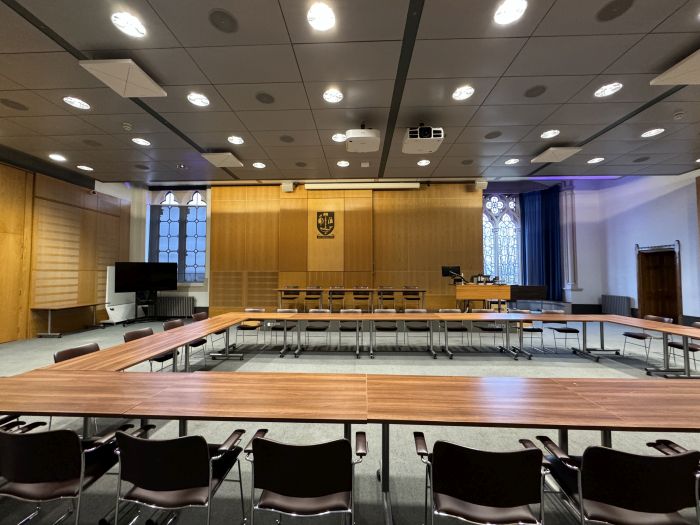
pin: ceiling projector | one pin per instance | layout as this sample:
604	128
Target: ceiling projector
422	139
362	140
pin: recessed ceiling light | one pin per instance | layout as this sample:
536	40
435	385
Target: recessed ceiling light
697	160
76	102
235	139
342	163
339	137
128	24
510	162
140	141
463	92
509	11
57	157
198	99
423	162
258	165
332	95
596	160
608	89
652	132
550	134
84	167
320	16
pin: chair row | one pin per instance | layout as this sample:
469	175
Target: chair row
360	297
481	487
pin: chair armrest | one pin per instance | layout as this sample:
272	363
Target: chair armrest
526	443
261	433
421	445
677	449
31	426
97	442
8	427
661	447
360	444
232	440
142	432
7	419
558	453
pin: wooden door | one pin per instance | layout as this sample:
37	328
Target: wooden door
658	282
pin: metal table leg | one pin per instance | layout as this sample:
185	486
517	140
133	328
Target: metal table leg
508	348
226	354
357	339
371	340
564	439
182	424
284	337
447	345
685	373
386	493
667	371
298	350
347	431
187	358
86	427
606	438
520	349
430	336
590	353
49	333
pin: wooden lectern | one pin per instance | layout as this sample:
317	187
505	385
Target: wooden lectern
483	292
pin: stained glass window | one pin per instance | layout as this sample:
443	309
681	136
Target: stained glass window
501	229
179	235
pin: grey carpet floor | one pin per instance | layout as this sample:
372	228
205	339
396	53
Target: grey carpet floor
407	472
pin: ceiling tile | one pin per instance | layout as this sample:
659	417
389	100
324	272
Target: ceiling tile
286	95
495	133
520	170
435	116
217	140
642	160
247	64
102	100
670	169
570	55
602	113
450	170
655	53
636	88
301	163
19	36
224	121
401	172
338	151
277	120
290	139
167	67
525	90
356	94
568	134
359	20
12	129
56	125
95	142
463	58
609	148
34	145
186	155
257	22
478	149
351	118
667	146
335	62
46	71
140	123
631	130
301	152
7	84
11	103
515	115
684	20
665	113
438	91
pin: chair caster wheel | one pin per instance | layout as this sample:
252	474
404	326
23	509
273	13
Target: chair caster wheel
434	357
452	357
379	475
296	357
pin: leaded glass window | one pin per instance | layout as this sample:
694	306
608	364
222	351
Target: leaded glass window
195	239
501	229
169	230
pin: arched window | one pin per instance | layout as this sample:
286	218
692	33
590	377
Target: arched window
501	229
178	233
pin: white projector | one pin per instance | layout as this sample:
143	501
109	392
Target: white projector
422	139
362	140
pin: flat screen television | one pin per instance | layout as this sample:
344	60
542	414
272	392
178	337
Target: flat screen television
144	277
451	271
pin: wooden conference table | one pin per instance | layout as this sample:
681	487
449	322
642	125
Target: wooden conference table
599	404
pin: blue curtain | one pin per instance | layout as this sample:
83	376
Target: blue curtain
541	240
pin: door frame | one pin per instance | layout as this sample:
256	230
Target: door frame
676	249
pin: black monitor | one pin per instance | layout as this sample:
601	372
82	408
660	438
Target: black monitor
451	271
144	277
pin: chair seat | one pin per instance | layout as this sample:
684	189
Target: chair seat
317	326
495	328
383	326
349	326
532	330
170	499
692	346
603	512
339	501
249	325
482	514
417	326
636	335
456	326
162	358
198	342
565	330
279	327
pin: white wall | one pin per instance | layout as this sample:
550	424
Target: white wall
648	211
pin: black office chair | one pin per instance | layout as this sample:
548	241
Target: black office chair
419	327
530	329
645	337
351	326
693	346
482	487
318	326
290	296
175	473
197	343
493	329
71	353
281	326
411	297
336	294
454	326
385	326
361	295
313	297
304	480
619	488
386	297
145	332
13	423
54	465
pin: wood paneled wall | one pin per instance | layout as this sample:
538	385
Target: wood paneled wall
262	238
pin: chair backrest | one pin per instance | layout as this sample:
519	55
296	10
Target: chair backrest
40	457
137	334
482	311
696	324
287	310
450	311
658	319
302	471
170	464
658	484
415	311
200	316
493	479
385	311
361	292
350	311
254	309
319	311
386	291
553	312
70	353
175	323
411	292
336	290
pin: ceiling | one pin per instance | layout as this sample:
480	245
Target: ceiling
397	63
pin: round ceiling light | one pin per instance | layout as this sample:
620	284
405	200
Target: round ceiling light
235	139
596	160
342	163
128	24
57	157
463	92
332	95
509	11
652	132
198	99
320	16
511	162
339	137
258	165
423	162
608	89
550	134
140	141
84	167
76	102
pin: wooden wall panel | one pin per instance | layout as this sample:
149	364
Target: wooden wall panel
292	235
261	235
326	254
358	234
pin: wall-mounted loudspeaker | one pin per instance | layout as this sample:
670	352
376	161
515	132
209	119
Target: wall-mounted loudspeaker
478	184
288	186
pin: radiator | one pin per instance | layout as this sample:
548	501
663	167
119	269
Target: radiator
171	306
616	304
